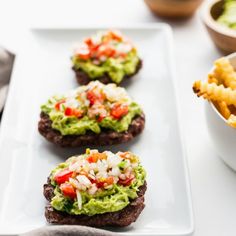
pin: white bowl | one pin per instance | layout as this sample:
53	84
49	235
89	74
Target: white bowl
222	135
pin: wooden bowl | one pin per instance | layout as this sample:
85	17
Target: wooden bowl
173	8
223	37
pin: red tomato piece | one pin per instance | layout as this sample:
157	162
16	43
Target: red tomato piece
77	113
89	42
63	176
57	105
93	49
100	117
95	157
73	112
92	159
100	184
69	111
68	190
119	110
93	97
107	181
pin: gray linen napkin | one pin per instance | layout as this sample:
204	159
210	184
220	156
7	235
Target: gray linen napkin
66	230
6	64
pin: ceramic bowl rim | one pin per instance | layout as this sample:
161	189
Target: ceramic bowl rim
211	23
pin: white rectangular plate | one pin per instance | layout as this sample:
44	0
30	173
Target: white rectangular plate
42	69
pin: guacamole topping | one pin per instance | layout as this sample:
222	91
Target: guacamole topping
228	17
106	53
92	108
96	183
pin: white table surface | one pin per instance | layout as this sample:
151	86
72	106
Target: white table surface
213	183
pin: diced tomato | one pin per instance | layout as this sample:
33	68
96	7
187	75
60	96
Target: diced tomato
100	117
125	182
106	50
116	35
93	49
73	112
68	190
124	155
77	113
119	110
89	41
108	181
68	111
57	105
94	157
100	184
63	176
93	97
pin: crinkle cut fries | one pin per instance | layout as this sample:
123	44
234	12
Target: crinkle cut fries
220	89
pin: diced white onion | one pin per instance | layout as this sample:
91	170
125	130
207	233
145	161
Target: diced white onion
79	199
114	93
83	180
115	171
122	176
93	189
75	166
113	160
75	183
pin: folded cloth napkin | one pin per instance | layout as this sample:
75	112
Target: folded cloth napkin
6	63
66	230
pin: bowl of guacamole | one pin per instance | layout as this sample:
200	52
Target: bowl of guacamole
219	17
228	16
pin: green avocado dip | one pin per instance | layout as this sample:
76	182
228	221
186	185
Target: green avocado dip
228	17
96	183
92	108
107	53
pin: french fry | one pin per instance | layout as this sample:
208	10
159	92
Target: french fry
224	109
232	121
225	71
212	79
215	92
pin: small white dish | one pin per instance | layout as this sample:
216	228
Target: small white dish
222	135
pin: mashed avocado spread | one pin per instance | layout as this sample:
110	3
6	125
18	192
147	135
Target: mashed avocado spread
92	108
106	53
96	183
228	17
